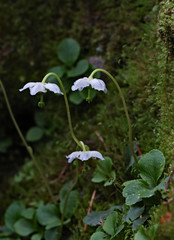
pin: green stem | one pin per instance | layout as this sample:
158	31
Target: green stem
28	148
124	105
67	106
66	200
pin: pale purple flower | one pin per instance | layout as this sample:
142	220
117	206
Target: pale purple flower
36	87
95	83
84	155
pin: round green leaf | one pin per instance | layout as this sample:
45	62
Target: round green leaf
34	134
13	214
135	190
151	166
24	227
68	51
75	97
79	69
47	214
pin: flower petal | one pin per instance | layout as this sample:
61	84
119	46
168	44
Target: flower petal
38	87
96	154
34	87
84	155
73	155
98	84
53	88
28	85
80	84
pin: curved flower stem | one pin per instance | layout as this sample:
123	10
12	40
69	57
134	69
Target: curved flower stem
67	106
28	148
124	105
66	200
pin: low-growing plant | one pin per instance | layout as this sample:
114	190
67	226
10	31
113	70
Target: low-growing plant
40	221
141	193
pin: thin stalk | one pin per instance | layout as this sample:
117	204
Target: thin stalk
28	148
124	106
66	200
67	106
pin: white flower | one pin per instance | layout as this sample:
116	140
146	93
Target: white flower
36	87
95	83
84	155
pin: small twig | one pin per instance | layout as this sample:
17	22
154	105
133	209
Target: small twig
90	205
60	175
168	182
169	202
101	140
139	151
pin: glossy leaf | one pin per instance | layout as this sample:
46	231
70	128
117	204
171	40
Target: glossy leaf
135	190
68	51
34	134
151	166
79	69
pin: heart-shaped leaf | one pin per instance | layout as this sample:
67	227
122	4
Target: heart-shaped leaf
151	166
